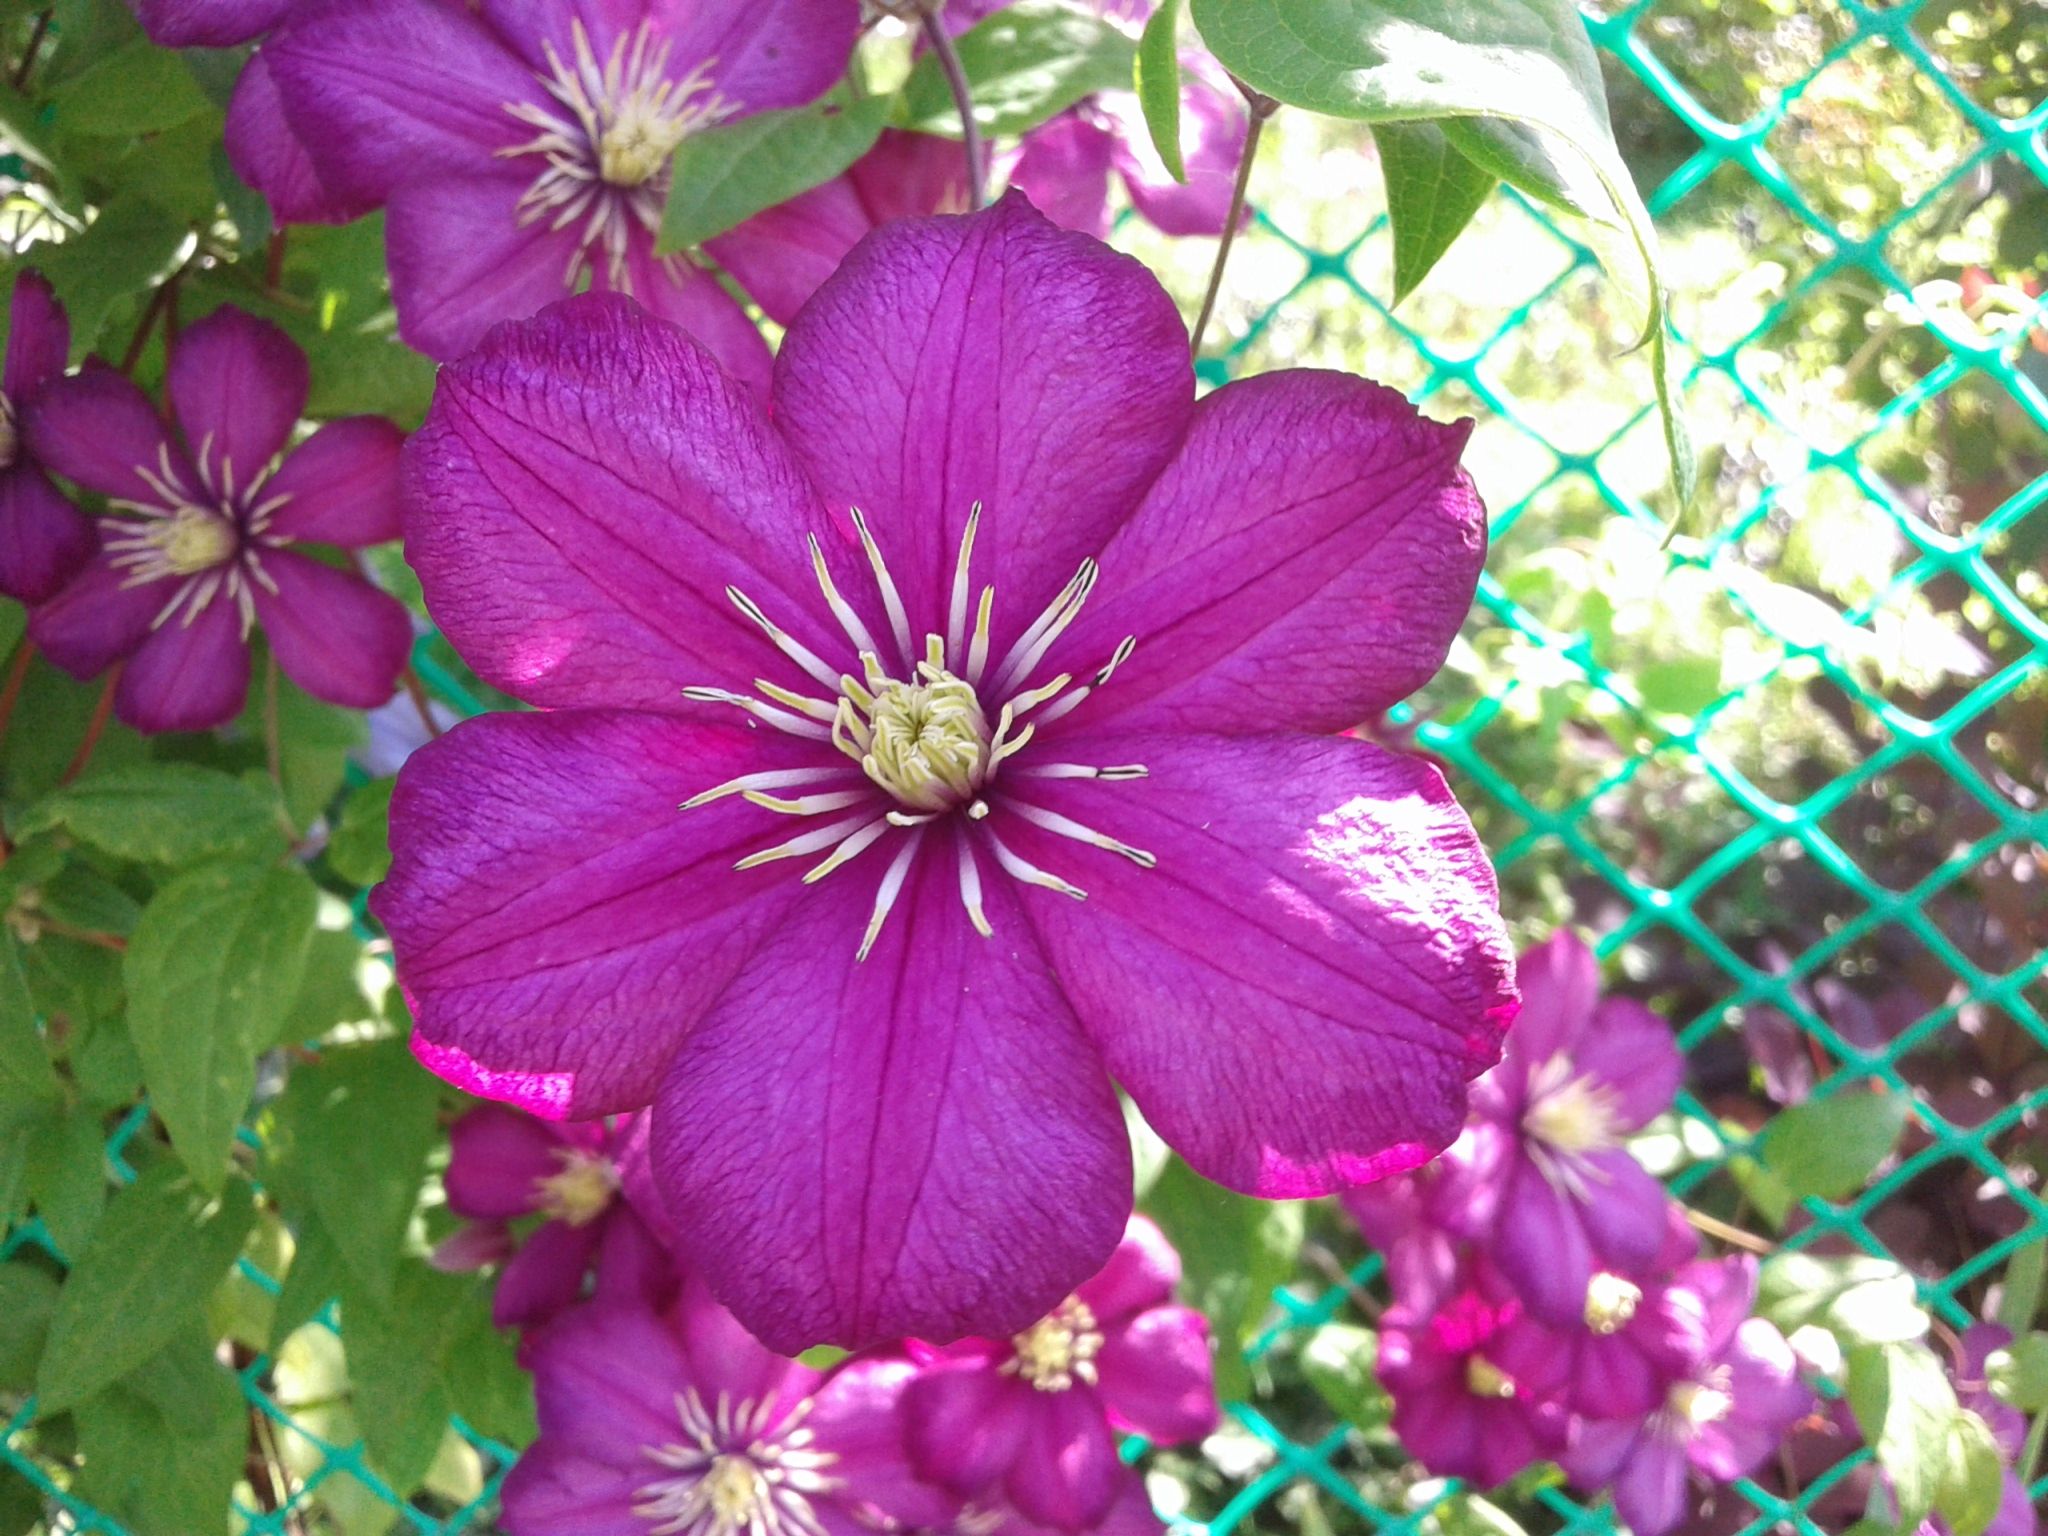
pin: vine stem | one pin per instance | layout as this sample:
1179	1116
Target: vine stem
159	304
421	703
941	44
93	728
17	674
1260	107
30	53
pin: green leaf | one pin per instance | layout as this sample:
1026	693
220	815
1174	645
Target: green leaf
2019	1295
1234	1251
314	740
1432	193
360	848
66	1174
26	1075
361	1189
156	1255
1339	1363
211	974
127	248
1861	1300
161	813
1516	86
1974	1480
725	175
1156	77
331	992
164	1448
398	1364
1906	1408
314	1279
2019	1375
485	1382
1026	63
1830	1147
27	1299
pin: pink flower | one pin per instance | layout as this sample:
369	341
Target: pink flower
1035	1416
203	540
43	538
522	150
834	930
679	1421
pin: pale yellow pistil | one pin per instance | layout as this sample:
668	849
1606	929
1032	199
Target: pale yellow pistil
190	540
631	151
1485	1379
1058	1350
1571	1113
582	1191
1611	1303
926	743
1700	1403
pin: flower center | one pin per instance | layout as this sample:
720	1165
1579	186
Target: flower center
1700	1403
582	1191
926	743
1485	1379
1611	1303
735	1472
1570	1112
206	542
1059	1350
10	432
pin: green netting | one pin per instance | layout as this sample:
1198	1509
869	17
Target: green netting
1553	452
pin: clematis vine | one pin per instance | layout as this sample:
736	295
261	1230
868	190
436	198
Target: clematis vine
918	758
205	528
678	1423
43	537
1035	1416
524	151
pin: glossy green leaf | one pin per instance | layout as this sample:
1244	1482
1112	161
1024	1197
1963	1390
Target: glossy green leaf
1861	1300
1432	193
1028	62
161	813
724	175
211	972
2019	1298
1973	1481
123	251
1157	80
398	1357
154	1258
1830	1147
2019	1375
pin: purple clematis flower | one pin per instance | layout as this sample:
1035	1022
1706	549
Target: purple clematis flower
1476	1384
679	1421
782	255
1035	1416
524	149
1541	1178
1726	1413
206	527
1031	626
504	1165
44	539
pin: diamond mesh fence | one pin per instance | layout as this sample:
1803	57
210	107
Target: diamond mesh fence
1791	766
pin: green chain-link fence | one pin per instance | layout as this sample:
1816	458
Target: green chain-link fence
1794	770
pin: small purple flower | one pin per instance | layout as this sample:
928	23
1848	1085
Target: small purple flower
678	1421
1724	1414
521	150
1065	649
504	1165
1541	1177
1476	1385
44	539
202	538
1035	1416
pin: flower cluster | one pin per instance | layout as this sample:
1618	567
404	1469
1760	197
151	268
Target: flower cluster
660	1412
1548	1301
205	522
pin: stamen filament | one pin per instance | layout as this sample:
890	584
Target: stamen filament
892	600
1019	868
886	894
803	704
776	778
1032	645
781	719
811	842
1083	771
842	610
1066	826
782	640
808	805
849	850
956	611
970	890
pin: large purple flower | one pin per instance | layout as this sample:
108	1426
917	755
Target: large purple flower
203	540
43	537
679	1421
1541	1177
522	149
1035	1416
1029	625
1724	1414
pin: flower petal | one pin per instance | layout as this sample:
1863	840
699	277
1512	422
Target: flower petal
586	487
990	358
385	91
236	386
857	1416
1303	563
1540	1245
343	485
605	1383
96	619
97	428
1626	1214
1649	1490
1140	1274
554	1491
962	1425
44	539
267	153
1157	1379
1063	167
725	1358
187	676
462	260
496	1159
207	23
1560	982
1066	1472
1212	141
334	634
1298	993
1632	1051
38	338
765	53
551	910
545	1276
686	295
921	1143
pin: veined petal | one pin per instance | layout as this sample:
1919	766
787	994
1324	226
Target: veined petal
545	1275
1066	1473
552	912
920	1143
96	619
1298	993
44	539
993	359
236	385
333	633
586	487
1157	1379
1212	141
342	485
1141	1274
1540	1244
1631	1051
98	429
207	23
686	295
266	151
555	1491
1063	167
963	1424
462	260
1560	982
187	676
38	337
1303	563
605	1383
765	53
